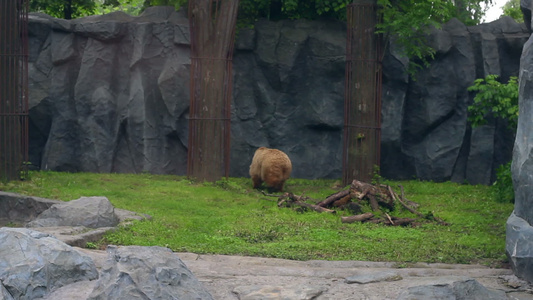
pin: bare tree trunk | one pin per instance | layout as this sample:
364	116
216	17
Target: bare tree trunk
212	26
362	103
10	136
67	10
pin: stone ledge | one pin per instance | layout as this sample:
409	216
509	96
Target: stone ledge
19	210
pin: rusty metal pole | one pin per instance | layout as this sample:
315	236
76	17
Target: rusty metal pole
13	89
212	29
362	102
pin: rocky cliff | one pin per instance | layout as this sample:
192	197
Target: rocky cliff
519	233
110	94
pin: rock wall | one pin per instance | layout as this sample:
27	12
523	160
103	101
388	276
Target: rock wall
519	233
110	94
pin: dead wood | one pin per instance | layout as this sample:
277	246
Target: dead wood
394	221
403	221
359	193
332	198
375	195
343	201
359	189
389	218
357	218
412	204
412	210
290	199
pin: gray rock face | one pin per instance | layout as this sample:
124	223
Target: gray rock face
75	223
519	247
276	292
32	264
466	288
35	265
146	273
4	294
110	94
91	212
20	209
369	278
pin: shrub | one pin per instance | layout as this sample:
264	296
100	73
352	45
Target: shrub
501	101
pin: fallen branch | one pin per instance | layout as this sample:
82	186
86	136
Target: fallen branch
332	198
342	201
439	220
394	221
376	195
405	205
290	199
379	197
357	218
388	217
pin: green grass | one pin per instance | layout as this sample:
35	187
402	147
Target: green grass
229	217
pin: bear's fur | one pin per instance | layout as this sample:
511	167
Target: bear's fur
271	166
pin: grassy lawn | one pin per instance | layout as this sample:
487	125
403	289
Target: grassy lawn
229	217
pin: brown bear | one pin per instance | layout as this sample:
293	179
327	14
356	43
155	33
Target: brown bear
271	166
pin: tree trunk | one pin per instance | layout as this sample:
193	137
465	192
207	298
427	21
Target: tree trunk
67	10
10	127
212	26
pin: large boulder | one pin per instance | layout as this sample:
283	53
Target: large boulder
16	209
136	272
111	94
33	264
36	265
519	237
90	212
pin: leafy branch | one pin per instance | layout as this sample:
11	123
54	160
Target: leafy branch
408	22
494	98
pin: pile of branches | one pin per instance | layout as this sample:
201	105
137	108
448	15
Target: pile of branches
380	198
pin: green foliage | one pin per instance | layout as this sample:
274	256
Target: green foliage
376	175
501	101
471	12
229	217
91	245
503	186
251	10
494	98
66	9
512	9
408	23
131	7
176	3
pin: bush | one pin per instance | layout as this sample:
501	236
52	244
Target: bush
501	101
494	98
503	186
